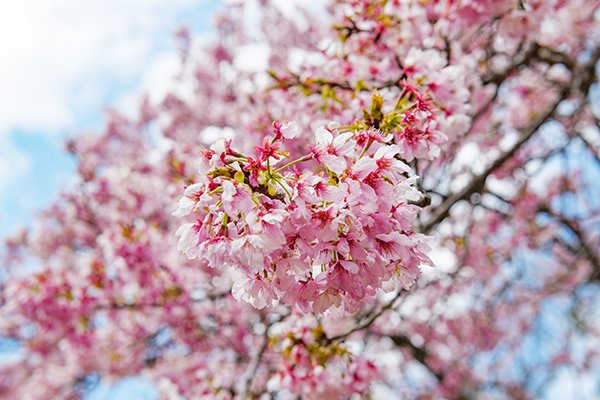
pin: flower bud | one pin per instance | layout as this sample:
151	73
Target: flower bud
272	189
239	176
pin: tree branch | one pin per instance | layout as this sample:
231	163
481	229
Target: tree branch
246	379
477	184
585	245
370	318
420	354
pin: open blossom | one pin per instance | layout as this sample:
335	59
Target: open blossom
331	151
384	161
287	130
236	197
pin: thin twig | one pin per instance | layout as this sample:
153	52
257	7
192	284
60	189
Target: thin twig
372	316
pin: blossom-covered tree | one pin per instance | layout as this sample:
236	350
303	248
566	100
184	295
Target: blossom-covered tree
402	204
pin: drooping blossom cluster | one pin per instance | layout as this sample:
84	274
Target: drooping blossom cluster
328	229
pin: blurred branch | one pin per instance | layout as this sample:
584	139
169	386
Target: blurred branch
370	318
592	149
584	76
421	354
477	184
116	305
535	52
586	247
521	60
246	379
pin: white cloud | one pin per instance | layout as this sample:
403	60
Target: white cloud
61	57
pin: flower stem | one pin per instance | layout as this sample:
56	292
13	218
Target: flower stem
299	160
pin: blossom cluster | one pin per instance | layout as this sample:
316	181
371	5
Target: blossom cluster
314	367
331	234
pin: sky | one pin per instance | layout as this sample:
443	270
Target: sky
61	63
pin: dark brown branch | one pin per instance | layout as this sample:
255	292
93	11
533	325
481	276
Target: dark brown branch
524	59
477	184
586	247
535	52
157	304
424	201
593	151
370	318
246	380
584	76
420	354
